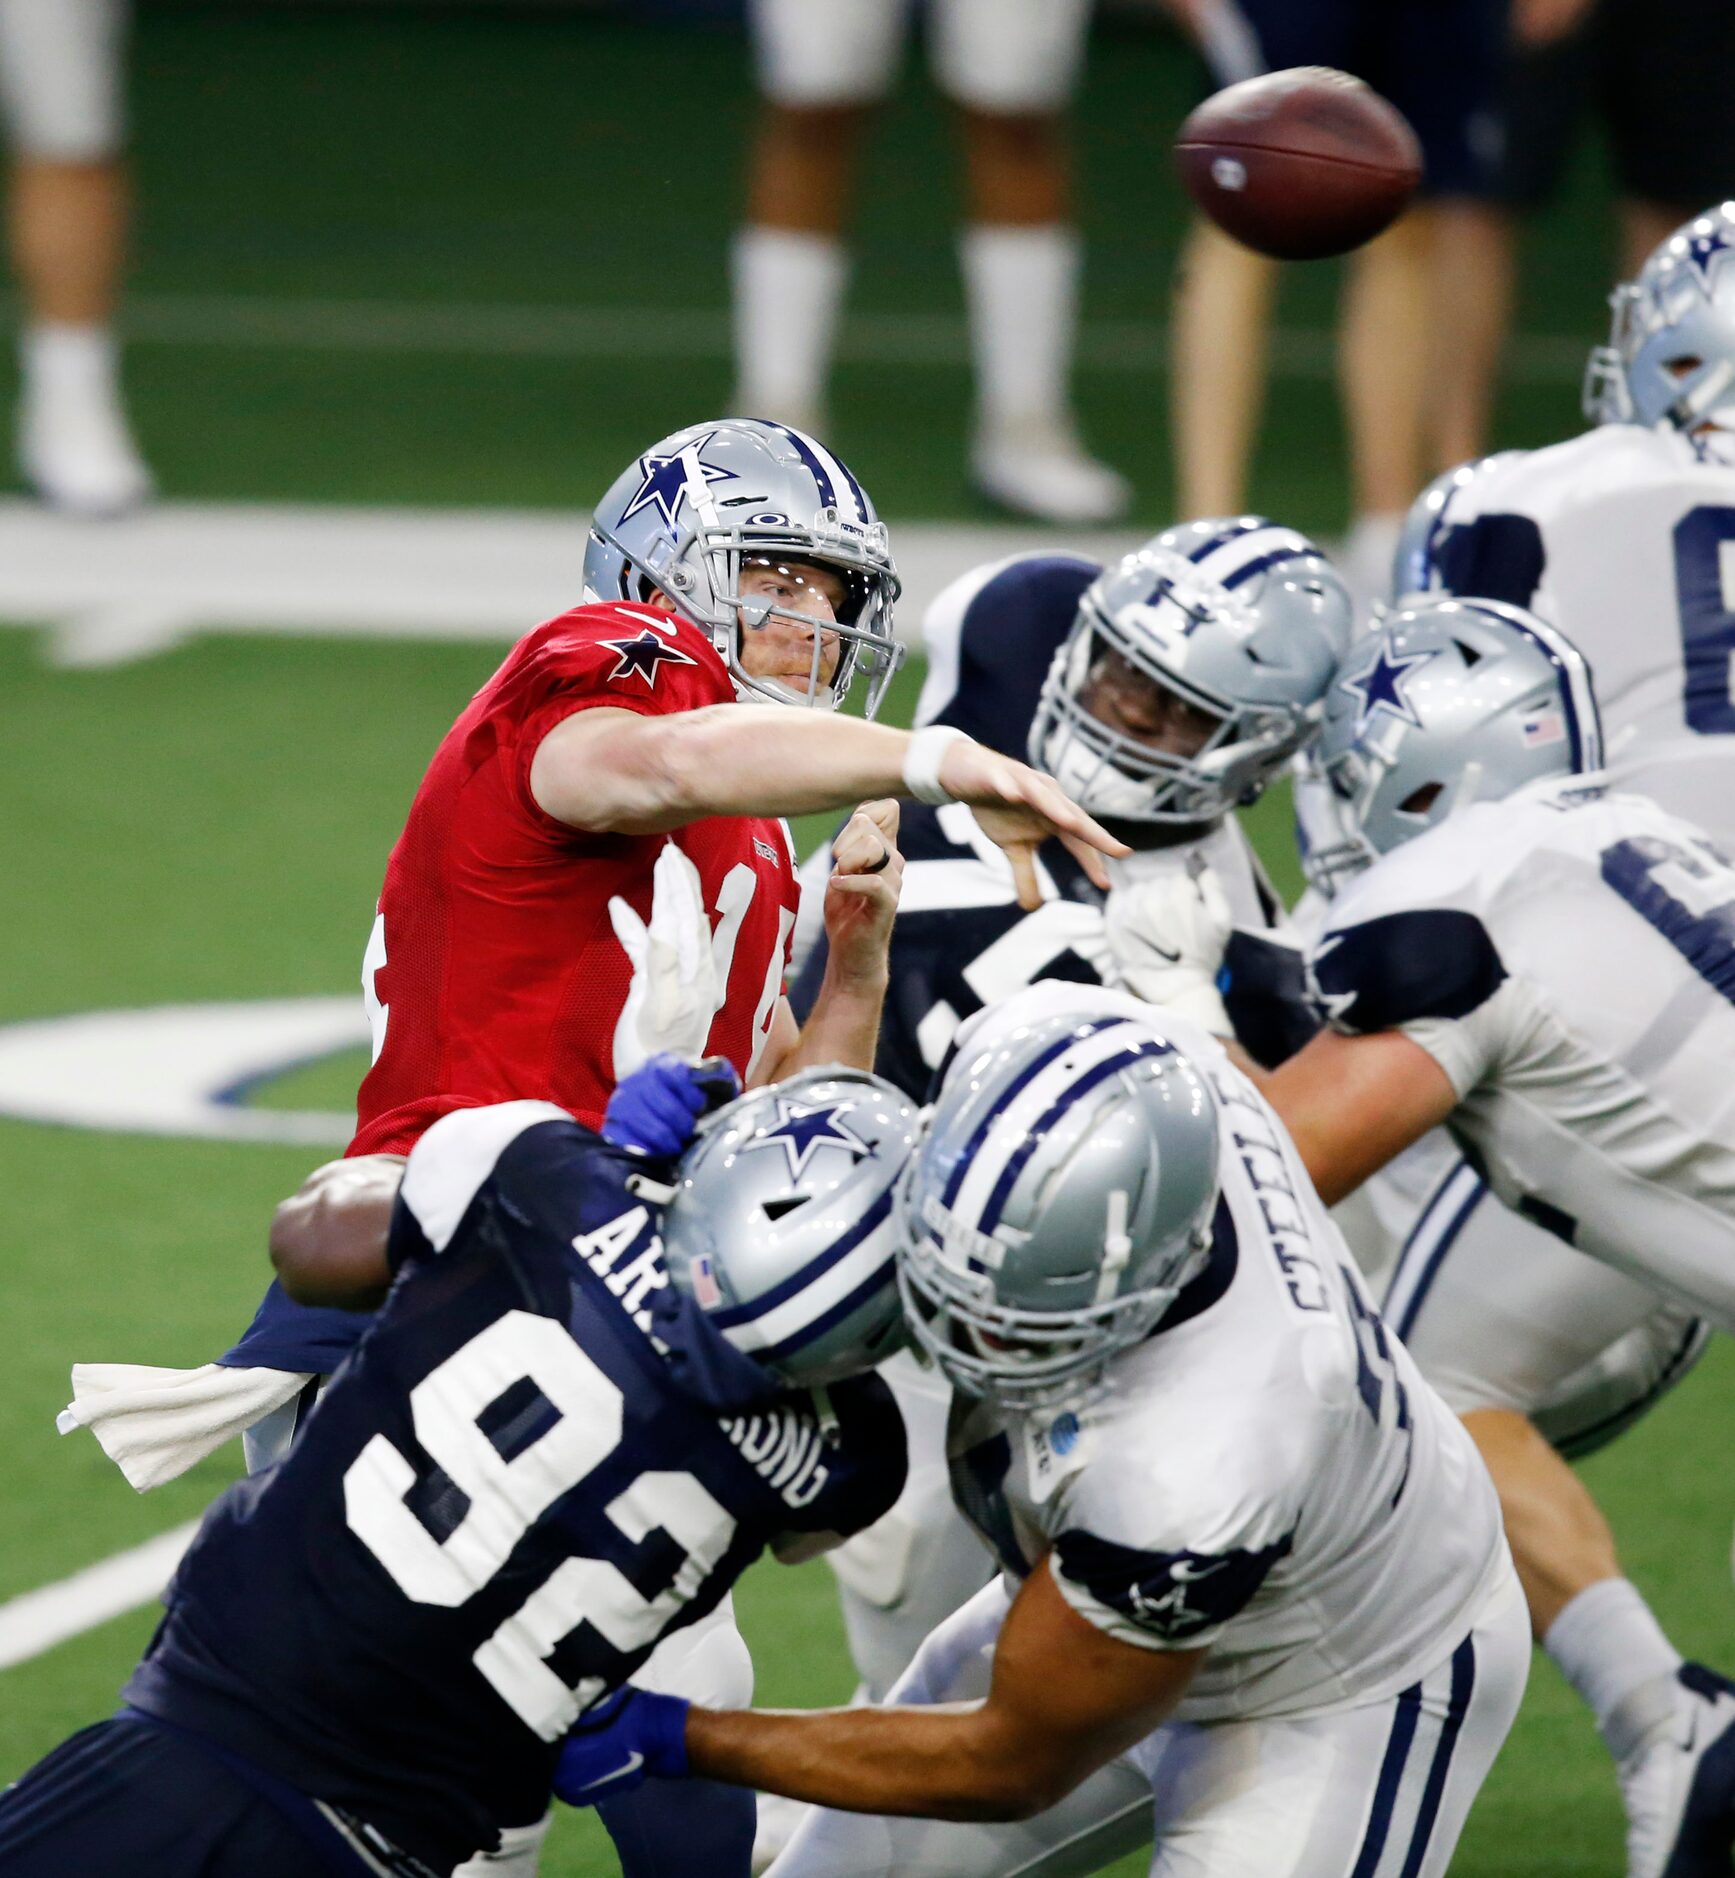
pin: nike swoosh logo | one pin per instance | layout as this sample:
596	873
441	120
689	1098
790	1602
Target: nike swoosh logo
630	1765
1163	952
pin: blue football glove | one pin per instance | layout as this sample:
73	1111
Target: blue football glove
655	1109
611	1749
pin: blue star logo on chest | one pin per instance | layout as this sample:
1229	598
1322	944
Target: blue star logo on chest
1703	250
804	1128
646	655
664	481
1384	687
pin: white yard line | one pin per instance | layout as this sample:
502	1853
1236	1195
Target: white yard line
506	330
123	590
32	1624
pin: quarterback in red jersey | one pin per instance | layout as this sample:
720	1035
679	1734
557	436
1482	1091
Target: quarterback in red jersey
494	971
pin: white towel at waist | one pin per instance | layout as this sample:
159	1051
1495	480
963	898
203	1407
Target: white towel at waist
156	1423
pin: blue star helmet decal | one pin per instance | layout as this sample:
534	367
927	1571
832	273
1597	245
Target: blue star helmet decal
1702	252
1382	687
803	1129
665	482
645	655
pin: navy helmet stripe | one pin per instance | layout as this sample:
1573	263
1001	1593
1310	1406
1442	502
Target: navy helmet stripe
1584	732
1457	1707
815	1267
1014	1089
827	494
1244	526
849	1303
1373	1845
1261	564
1020	1157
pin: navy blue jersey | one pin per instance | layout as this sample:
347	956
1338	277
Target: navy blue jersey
539	1461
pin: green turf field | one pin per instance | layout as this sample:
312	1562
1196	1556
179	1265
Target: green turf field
212	824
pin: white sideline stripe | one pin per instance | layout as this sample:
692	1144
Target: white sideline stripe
121	590
624	332
33	1623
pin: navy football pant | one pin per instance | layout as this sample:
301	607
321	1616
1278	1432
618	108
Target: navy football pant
126	1799
659	1830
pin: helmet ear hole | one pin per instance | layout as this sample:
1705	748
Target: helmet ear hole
1419	801
774	1210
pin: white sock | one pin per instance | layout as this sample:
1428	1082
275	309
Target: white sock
58	355
1612	1650
1021	287
788	288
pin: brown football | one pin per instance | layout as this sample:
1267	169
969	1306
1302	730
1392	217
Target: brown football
1299	164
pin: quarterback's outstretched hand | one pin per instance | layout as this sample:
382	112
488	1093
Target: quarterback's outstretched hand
1018	808
674	992
656	1109
1167	927
861	897
612	1749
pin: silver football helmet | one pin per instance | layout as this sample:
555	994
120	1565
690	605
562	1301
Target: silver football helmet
1239	618
1060	1199
1448	703
781	1227
1670	357
688	515
1414	569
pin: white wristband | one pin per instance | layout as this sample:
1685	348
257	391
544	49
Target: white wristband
922	762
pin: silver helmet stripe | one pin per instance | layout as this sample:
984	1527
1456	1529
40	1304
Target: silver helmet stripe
1233	562
1015	1124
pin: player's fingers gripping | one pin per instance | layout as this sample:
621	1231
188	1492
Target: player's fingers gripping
868	842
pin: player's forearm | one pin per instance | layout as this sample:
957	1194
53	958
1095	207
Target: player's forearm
933	1763
655	774
843	1026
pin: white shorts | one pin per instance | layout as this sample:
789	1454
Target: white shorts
1375	1790
61	84
1006	56
1500	1314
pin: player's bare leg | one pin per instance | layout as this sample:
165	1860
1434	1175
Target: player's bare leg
1657	1716
1471	310
1383	358
1021	258
790	264
1219	342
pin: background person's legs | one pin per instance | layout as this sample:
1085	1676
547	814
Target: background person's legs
67	208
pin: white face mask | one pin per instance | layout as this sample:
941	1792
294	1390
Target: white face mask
1096	786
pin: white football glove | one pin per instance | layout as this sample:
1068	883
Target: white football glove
674	993
1166	934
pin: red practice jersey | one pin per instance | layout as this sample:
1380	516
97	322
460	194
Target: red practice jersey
494	972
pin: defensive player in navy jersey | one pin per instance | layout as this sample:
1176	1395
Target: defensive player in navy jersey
602	1382
1167	688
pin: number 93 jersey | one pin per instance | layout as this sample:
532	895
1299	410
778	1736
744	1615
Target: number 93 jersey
1625	540
1567	956
539	1461
1266	1476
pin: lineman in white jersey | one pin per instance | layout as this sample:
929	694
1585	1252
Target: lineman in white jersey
1552	966
1620	536
1261	617
1237	1529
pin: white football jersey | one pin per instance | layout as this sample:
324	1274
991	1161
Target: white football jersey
1625	540
1267	1476
1567	955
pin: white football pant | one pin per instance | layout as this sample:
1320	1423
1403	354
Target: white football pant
1375	1791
